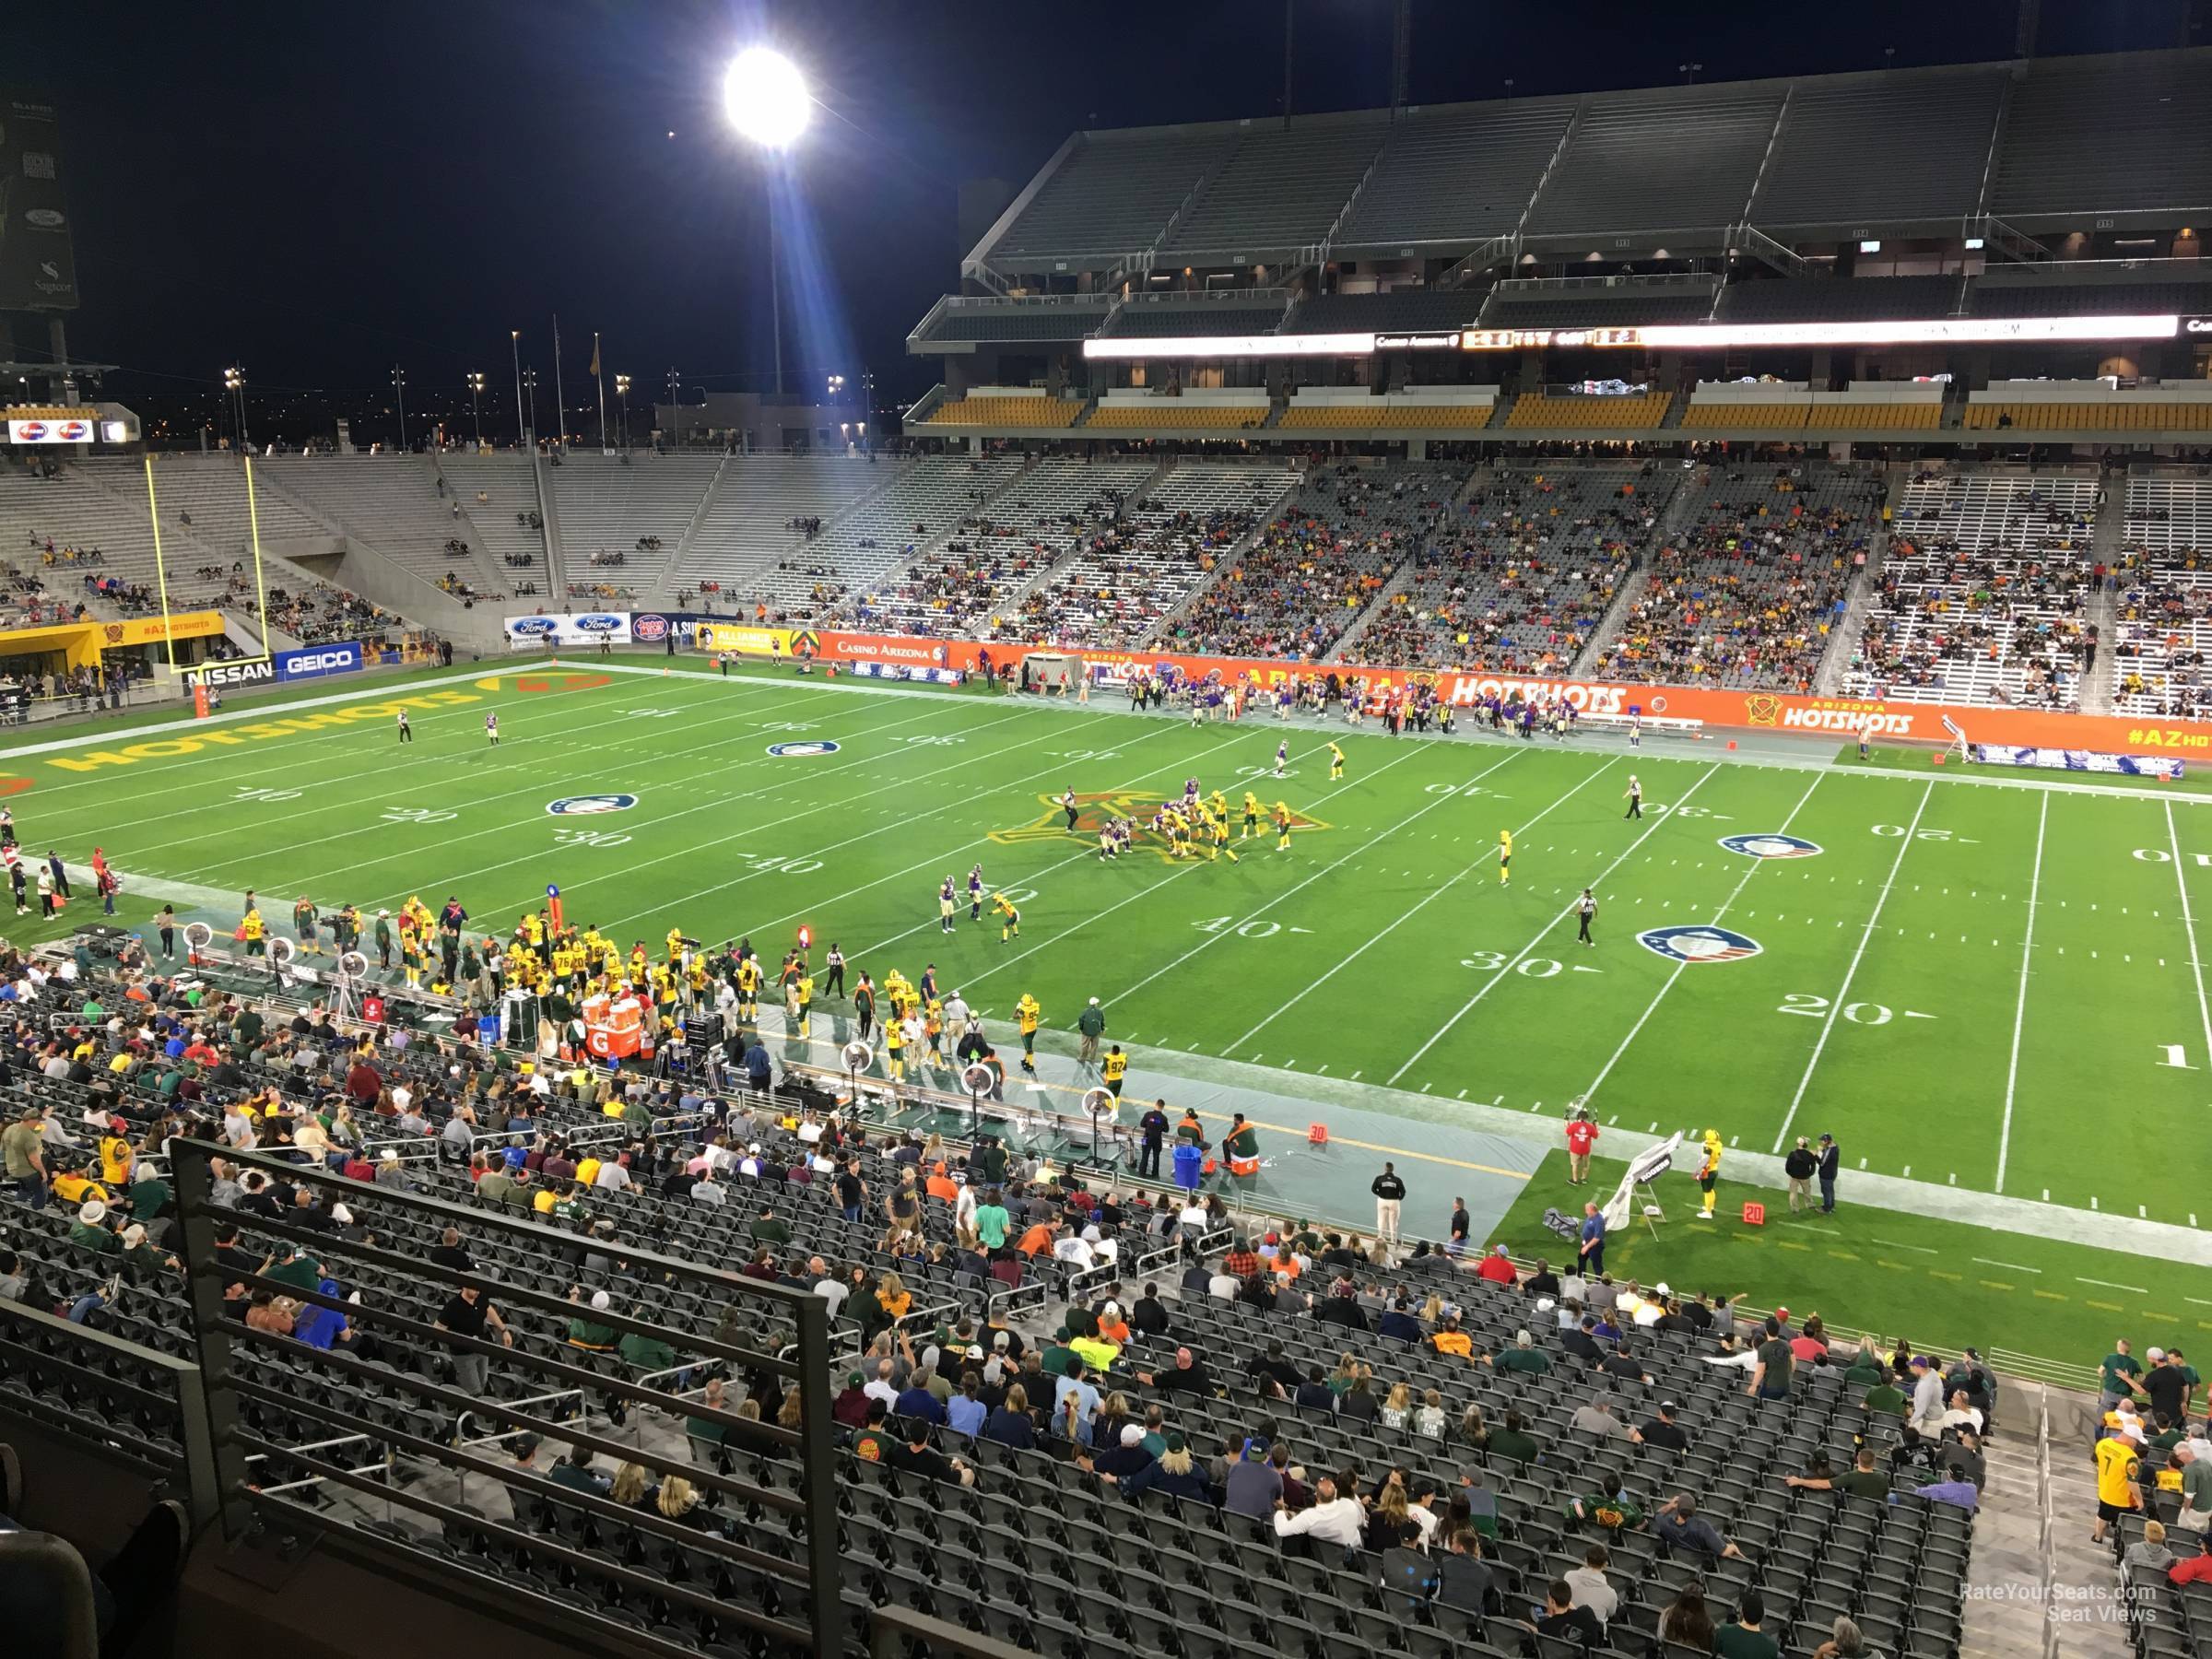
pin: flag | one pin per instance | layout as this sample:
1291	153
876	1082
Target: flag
595	354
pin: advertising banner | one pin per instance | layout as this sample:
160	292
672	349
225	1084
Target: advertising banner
581	628
316	661
1728	709
38	265
227	675
742	637
153	631
61	426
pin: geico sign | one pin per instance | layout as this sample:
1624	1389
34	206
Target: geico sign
315	662
232	673
1849	720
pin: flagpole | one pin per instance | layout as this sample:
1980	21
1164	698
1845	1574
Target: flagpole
559	403
601	379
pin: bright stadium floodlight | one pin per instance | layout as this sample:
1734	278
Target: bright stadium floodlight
766	97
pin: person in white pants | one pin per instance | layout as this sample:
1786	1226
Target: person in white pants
1390	1196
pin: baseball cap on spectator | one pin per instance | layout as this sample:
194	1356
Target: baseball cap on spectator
341	1215
133	1236
1132	1434
976	1350
856	1381
601	1301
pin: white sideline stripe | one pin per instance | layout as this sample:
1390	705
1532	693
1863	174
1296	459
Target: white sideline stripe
1668	984
233	717
2009	1266
539	855
1522	954
1900	1244
2197	962
81	877
1866	933
624	718
2108	1285
2019	1010
1430	897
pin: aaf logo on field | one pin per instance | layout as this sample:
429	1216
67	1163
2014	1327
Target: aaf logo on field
1698	943
576	805
805	751
1770	843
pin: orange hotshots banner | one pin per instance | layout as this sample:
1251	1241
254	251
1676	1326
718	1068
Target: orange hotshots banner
1729	710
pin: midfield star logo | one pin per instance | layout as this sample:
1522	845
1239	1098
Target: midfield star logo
1092	811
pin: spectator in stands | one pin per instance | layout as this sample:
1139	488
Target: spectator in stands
1254	1486
1661	1430
2119	1482
1770	1372
1334	1518
1687	1621
1590	1586
1524	1356
1746	1638
1680	1527
1513	1442
1565	1621
1845	1642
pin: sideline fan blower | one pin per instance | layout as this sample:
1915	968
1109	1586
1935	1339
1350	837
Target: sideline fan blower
196	937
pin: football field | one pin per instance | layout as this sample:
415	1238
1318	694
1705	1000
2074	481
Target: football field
1978	986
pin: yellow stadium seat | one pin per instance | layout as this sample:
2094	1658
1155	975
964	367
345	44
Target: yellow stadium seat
1173	412
1705	416
1006	412
1644	409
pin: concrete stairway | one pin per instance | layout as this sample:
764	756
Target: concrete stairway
2105	548
2031	1551
1858	601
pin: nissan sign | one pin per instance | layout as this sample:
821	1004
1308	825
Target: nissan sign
317	661
232	673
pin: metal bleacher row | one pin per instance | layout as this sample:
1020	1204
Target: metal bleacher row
1984	594
1516	579
2164	615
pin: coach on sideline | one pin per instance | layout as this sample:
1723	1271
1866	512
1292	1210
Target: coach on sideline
1830	1156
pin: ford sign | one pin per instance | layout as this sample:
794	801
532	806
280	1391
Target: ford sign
534	627
599	625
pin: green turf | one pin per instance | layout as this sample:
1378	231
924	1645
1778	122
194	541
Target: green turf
1896	1001
1941	1284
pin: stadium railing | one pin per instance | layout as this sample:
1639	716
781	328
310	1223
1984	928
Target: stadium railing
807	1561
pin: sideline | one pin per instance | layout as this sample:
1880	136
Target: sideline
139	733
1584	745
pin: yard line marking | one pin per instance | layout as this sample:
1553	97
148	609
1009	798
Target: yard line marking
1177	874
2108	1285
1522	954
1308	881
2196	961
957	851
1667	984
2009	1266
1843	997
1897	1244
1433	894
539	855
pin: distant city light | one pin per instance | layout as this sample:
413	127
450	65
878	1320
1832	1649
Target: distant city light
766	97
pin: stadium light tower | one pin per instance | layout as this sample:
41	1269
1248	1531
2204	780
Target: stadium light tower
514	340
622	395
766	99
399	387
475	402
234	383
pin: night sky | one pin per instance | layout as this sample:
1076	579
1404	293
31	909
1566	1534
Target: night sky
320	191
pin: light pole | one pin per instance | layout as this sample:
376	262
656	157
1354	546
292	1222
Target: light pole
1690	72
476	403
234	383
514	340
766	99
399	388
622	394
530	385
675	381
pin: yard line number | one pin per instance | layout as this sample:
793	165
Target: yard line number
1858	1013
